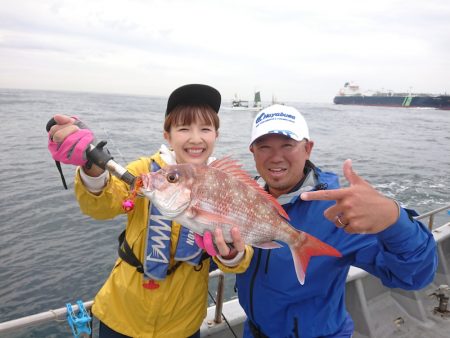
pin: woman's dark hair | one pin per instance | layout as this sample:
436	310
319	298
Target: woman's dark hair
183	115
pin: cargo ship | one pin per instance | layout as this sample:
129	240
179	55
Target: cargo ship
351	94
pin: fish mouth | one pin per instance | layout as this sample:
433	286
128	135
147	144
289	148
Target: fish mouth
149	194
147	182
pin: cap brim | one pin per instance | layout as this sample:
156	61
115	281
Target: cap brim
194	94
287	135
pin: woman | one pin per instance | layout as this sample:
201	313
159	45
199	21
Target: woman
149	292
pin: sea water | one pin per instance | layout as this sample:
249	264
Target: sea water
51	254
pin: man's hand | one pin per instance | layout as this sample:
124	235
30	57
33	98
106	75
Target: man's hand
359	208
212	245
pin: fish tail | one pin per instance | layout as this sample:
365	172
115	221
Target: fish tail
305	249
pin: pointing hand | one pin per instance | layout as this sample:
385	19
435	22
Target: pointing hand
359	208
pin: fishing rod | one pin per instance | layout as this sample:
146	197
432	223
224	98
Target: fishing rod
99	156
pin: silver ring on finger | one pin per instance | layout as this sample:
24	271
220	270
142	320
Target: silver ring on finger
339	220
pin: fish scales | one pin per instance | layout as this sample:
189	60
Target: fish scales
221	193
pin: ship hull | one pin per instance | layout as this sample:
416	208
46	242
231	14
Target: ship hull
439	101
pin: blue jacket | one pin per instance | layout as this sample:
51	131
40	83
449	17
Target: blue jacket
402	256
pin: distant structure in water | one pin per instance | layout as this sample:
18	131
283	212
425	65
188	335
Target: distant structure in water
351	94
239	104
275	100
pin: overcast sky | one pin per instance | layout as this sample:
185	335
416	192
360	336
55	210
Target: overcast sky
296	50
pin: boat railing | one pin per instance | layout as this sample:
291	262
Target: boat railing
40	318
60	314
219	294
431	215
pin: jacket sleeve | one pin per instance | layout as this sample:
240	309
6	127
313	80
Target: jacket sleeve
404	255
107	204
241	266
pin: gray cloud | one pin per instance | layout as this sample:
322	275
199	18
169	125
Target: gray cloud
298	51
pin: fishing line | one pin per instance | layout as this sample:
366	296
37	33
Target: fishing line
116	148
224	318
98	124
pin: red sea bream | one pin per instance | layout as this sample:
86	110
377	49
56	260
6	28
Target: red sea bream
203	197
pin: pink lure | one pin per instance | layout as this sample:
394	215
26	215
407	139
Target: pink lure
128	205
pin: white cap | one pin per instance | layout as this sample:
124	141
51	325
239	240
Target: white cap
280	119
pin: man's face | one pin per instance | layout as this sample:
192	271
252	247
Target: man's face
280	161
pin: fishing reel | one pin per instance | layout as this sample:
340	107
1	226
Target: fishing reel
100	156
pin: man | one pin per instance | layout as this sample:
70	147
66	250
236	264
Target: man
370	230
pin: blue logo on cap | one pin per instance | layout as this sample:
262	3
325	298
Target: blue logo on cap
265	116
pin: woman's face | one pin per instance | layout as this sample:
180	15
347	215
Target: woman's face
193	143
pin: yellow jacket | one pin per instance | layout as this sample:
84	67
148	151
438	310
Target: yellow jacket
178	306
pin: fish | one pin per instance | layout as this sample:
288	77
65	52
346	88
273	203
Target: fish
203	197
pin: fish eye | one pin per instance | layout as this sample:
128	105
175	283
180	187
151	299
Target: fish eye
172	177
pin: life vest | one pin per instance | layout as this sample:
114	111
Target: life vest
157	252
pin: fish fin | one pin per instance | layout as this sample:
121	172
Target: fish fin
305	249
267	245
232	167
207	217
222	163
